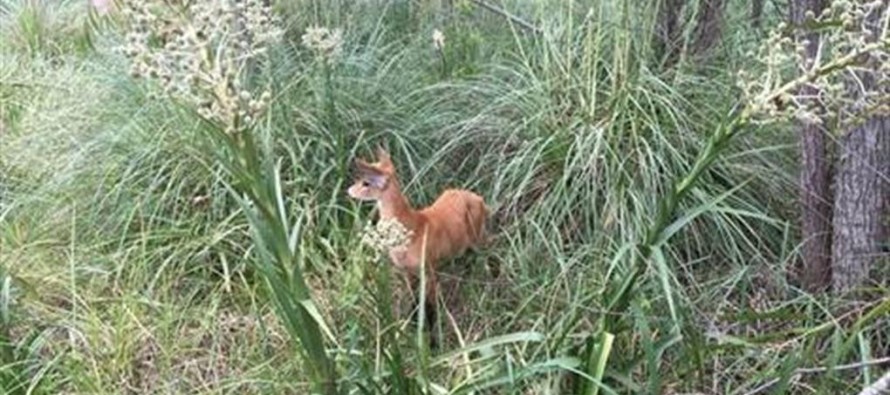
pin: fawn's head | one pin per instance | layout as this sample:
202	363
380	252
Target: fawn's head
373	179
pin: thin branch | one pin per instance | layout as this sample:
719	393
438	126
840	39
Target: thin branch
880	387
515	19
885	381
857	365
763	387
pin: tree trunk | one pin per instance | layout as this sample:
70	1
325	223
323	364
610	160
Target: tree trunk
861	201
815	174
709	26
668	29
756	13
862	190
816	210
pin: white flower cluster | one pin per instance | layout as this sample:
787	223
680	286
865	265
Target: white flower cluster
438	40
199	52
327	44
387	234
850	75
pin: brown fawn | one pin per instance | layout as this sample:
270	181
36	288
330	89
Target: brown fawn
454	223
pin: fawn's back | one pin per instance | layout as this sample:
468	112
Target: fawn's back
455	222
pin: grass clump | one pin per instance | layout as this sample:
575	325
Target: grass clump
189	231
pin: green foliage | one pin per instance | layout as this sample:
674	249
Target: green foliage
642	228
21	371
47	28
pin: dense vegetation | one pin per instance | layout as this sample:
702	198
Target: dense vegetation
645	239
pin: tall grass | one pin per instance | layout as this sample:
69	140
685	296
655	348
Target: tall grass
641	240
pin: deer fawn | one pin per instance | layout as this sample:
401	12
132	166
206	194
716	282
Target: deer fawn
451	225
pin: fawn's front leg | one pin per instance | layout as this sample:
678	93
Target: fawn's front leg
429	301
411	265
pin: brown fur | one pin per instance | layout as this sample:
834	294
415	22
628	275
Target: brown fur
452	224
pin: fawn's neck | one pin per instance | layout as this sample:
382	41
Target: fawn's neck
393	204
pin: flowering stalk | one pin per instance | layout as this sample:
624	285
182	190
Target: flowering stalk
855	46
386	235
201	54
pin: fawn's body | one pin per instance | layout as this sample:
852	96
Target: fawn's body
446	228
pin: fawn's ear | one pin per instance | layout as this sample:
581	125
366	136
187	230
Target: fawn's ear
363	166
383	156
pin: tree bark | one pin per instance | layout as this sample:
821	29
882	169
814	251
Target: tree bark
668	29
862	190
756	13
709	26
815	174
861	201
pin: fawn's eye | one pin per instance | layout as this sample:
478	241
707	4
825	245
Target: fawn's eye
365	183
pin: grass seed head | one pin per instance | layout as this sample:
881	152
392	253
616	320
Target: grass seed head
325	43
